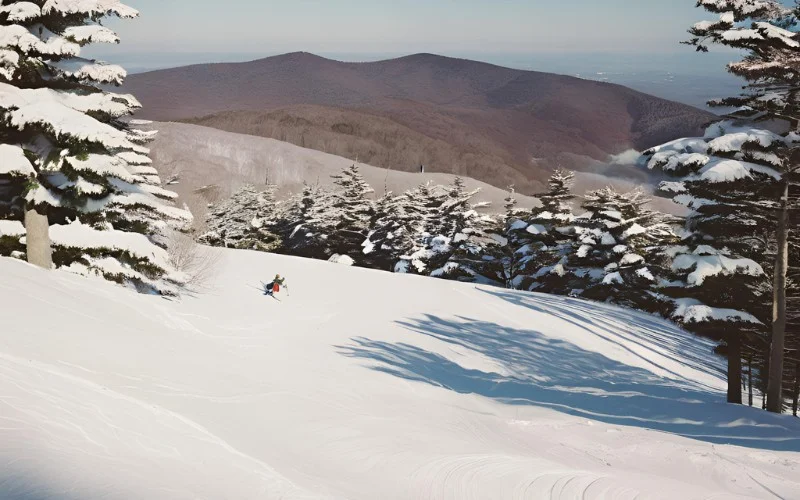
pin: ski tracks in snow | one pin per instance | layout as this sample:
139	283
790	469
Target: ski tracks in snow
474	477
49	415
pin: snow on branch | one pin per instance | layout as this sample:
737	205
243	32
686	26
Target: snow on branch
706	266
19	37
11	228
147	189
138	199
693	311
21	11
55	111
694	157
9	62
93	33
136	159
82	186
14	162
114	105
94	8
40	195
104	165
85	70
141	136
722	170
743	9
78	235
735	139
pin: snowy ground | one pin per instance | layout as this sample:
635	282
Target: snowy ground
363	385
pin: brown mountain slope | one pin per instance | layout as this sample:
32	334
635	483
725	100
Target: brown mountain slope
495	124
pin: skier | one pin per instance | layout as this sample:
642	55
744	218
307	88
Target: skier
275	286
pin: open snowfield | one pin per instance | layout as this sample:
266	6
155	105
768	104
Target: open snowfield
363	385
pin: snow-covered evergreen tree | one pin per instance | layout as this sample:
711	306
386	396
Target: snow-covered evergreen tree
483	256
454	209
767	32
244	221
353	208
726	183
394	232
453	229
65	154
619	241
459	242
476	250
559	195
506	265
453	238
541	239
426	200
310	222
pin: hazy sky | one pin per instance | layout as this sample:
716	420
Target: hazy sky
406	26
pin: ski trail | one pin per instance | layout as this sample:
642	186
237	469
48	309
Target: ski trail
383	387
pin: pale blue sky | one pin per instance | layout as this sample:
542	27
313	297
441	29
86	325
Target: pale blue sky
407	26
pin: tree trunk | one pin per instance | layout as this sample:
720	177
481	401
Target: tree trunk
774	382
734	368
37	237
796	392
750	380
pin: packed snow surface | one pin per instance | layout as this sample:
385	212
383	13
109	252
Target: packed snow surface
363	385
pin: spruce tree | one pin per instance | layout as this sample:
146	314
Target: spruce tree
718	280
245	221
618	256
79	174
541	239
394	232
353	209
451	228
309	225
766	32
486	255
509	267
559	196
426	200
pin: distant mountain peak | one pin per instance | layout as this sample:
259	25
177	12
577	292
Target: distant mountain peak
296	56
425	55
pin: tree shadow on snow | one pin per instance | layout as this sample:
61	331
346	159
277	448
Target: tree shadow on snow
641	335
556	374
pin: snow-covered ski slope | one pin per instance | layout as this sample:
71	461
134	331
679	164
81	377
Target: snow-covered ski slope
363	385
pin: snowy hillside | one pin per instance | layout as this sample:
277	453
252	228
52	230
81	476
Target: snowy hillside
204	156
363	385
